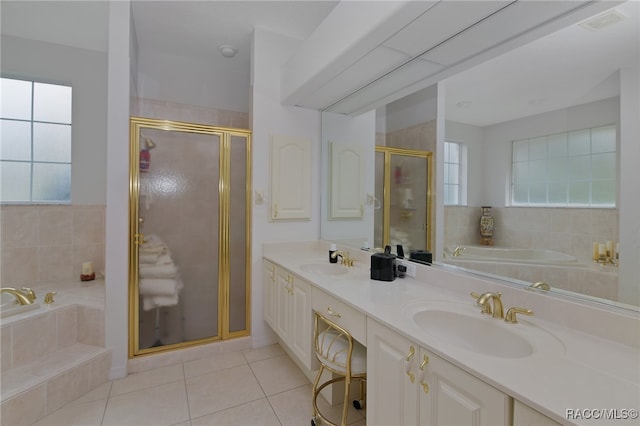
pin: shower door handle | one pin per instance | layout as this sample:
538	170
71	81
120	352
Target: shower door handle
139	239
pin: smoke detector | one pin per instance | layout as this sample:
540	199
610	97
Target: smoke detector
227	50
602	20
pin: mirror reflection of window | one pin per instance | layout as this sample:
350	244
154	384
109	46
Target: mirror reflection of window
455	174
571	169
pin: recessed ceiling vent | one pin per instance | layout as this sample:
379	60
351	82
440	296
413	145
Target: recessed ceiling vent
602	20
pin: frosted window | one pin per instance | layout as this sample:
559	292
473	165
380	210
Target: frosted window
52	142
35	150
52	103
603	139
579	143
575	168
51	182
557	145
16	140
16	99
16	178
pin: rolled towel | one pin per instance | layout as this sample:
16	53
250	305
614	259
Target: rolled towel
150	258
164	259
150	302
158	271
159	286
153	244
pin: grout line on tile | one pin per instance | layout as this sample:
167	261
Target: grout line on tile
186	391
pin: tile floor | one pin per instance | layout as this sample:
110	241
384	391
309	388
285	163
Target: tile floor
245	388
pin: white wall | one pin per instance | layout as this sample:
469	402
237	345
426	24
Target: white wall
270	50
629	273
117	217
413	109
188	81
86	71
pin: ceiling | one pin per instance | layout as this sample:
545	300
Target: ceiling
569	67
531	79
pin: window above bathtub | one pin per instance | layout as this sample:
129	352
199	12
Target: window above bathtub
35	144
570	169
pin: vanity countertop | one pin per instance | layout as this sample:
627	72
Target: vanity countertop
569	369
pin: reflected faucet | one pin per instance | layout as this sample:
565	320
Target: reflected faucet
483	301
458	250
26	296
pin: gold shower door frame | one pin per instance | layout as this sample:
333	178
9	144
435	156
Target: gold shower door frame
135	237
388	153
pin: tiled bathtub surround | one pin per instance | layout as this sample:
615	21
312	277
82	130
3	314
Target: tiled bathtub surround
49	360
49	243
54	354
570	231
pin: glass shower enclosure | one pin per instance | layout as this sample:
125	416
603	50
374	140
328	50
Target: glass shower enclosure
189	234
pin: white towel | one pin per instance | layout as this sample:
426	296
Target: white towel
158	271
153	244
159	286
150	258
150	302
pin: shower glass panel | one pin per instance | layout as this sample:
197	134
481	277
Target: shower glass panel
404	176
379	211
238	249
190	233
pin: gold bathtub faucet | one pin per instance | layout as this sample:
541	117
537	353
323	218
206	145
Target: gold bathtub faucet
458	250
25	296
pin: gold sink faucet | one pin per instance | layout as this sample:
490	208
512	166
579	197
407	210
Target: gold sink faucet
483	300
26	296
344	257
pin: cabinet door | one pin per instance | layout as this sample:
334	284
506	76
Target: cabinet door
269	293
524	415
392	396
301	333
452	396
284	283
346	180
290	178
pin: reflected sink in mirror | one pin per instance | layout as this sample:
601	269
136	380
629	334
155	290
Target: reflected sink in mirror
481	334
330	269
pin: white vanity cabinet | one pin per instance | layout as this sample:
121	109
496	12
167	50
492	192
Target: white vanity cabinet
269	293
292	316
524	415
408	385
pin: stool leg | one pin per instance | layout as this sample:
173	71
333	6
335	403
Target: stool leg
347	391
314	393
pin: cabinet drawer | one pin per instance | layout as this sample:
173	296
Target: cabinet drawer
352	320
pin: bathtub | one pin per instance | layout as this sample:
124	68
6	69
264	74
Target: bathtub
509	255
51	353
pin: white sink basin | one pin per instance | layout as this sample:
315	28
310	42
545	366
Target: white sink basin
330	269
477	333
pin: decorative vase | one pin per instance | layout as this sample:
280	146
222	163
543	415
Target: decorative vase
486	226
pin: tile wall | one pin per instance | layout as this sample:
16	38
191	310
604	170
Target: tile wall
49	243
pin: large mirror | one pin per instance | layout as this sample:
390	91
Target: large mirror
565	86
